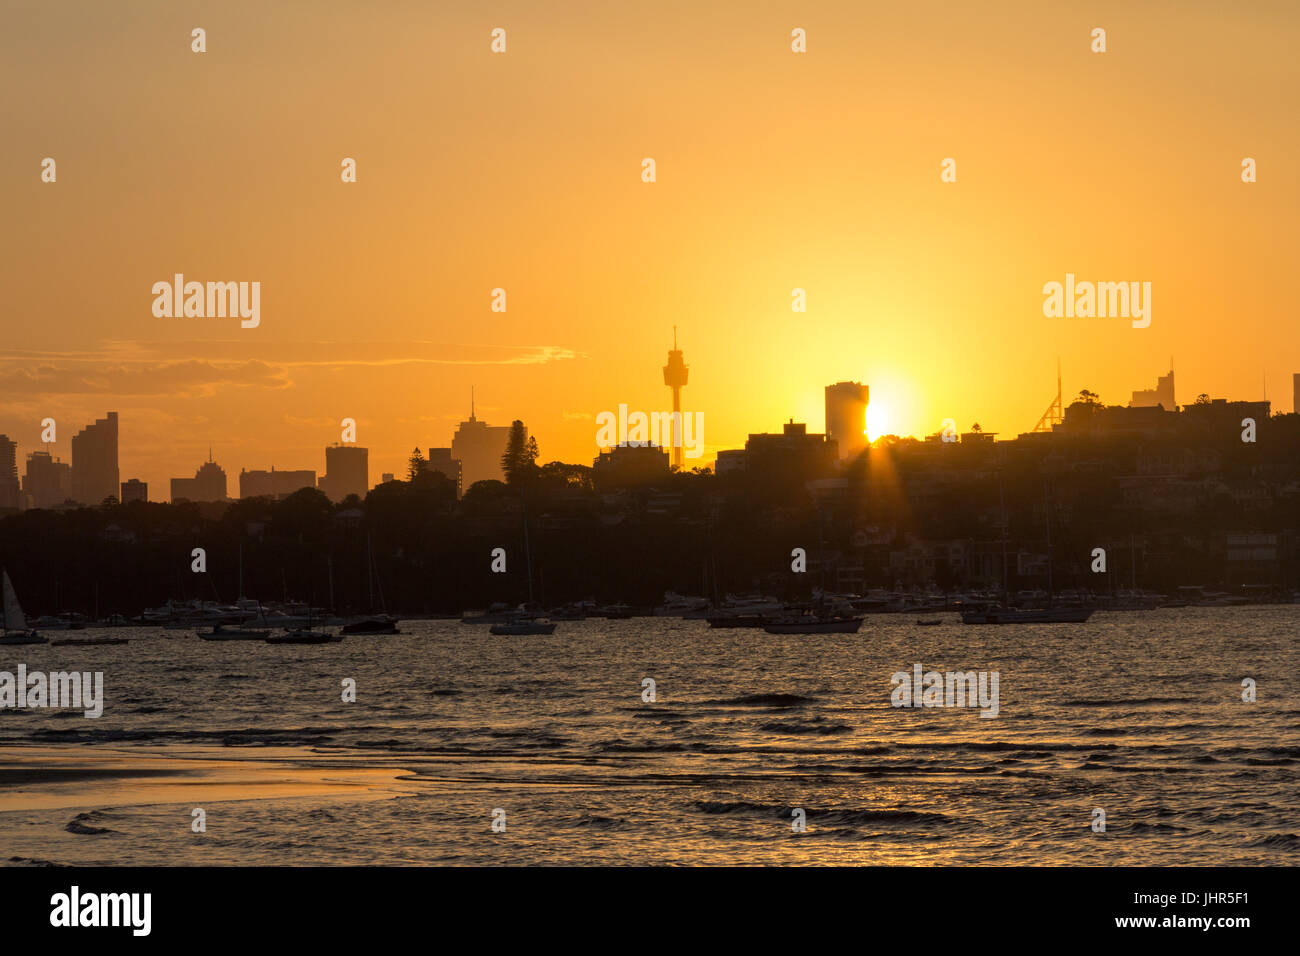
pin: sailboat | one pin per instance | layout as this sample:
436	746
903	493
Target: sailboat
526	619
1025	615
822	619
15	627
376	623
304	635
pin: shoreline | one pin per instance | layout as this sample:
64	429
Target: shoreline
59	777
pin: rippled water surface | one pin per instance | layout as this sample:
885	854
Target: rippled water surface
1138	714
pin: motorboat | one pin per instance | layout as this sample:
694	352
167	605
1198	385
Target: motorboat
1019	615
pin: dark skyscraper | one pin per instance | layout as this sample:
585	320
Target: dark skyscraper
440	459
133	489
274	484
208	484
846	416
47	482
9	490
347	472
94	462
1162	394
479	447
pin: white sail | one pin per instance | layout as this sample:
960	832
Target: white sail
15	620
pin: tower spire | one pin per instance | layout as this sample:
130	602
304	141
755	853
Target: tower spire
675	375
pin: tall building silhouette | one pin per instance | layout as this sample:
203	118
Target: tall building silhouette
347	472
9	490
94	461
846	417
1295	392
1162	394
479	447
675	375
440	459
208	484
260	483
47	482
133	489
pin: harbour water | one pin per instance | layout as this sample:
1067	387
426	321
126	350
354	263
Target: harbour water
1137	714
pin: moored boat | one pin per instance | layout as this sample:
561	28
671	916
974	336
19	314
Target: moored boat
381	624
304	636
220	632
1018	615
523	627
15	622
89	641
815	624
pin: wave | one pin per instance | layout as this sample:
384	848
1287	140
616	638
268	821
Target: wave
762	700
1279	841
837	815
814	726
1121	701
82	825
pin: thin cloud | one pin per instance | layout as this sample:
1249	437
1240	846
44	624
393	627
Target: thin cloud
199	369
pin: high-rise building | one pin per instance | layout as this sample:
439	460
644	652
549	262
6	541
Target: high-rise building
133	489
94	461
10	493
441	459
846	417
208	484
793	451
1295	392
47	482
1162	394
675	375
274	484
630	464
478	447
347	472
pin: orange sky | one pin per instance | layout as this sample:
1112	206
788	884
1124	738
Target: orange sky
522	171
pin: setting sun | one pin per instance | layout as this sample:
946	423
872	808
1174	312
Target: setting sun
877	421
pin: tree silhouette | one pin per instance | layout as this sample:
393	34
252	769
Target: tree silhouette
415	465
519	462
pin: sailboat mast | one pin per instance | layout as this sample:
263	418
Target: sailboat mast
370	576
1002	502
528	554
1047	518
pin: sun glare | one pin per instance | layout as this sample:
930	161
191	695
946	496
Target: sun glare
877	421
